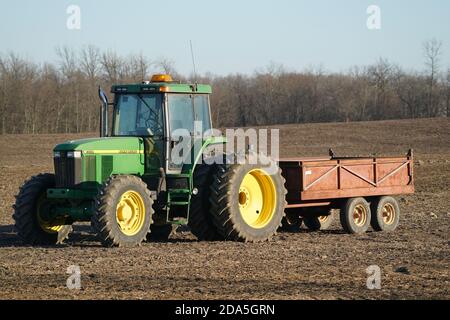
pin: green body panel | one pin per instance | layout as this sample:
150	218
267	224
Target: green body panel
103	157
98	144
153	87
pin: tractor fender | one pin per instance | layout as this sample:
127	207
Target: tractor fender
197	151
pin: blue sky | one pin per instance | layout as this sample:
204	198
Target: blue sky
232	36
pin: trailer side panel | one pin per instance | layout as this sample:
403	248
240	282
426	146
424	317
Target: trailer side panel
312	180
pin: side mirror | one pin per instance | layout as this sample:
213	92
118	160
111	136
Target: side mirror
102	96
103	113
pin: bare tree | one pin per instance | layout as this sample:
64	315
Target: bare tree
111	64
166	66
90	61
62	97
380	76
3	83
447	96
432	52
68	61
140	66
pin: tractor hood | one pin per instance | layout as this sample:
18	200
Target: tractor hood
111	145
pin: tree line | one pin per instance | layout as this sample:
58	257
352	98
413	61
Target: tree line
61	97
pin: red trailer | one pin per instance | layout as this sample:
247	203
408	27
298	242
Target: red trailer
362	188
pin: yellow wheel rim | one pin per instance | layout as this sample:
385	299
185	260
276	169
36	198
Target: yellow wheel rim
47	226
388	214
130	213
323	219
360	215
257	199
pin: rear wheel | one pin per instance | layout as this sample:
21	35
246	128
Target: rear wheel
31	213
200	219
248	202
385	214
123	211
355	215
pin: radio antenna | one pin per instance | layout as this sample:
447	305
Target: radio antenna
193	61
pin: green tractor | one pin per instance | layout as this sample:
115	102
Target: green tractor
129	185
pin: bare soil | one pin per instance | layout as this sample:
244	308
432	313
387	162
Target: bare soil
414	260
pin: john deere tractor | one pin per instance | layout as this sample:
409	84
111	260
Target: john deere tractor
132	188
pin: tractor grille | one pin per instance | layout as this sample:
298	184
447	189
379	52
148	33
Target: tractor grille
67	171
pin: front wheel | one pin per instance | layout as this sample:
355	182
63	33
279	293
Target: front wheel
247	202
33	221
123	212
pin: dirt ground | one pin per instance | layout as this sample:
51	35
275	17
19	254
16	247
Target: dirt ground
414	260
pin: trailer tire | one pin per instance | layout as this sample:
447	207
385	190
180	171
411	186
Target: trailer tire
123	211
248	203
291	223
355	216
29	225
385	214
316	223
200	219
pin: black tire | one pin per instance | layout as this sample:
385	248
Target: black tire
316	223
355	222
25	214
291	223
160	233
385	214
200	220
104	220
312	223
225	199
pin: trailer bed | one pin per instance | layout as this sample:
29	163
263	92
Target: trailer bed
321	180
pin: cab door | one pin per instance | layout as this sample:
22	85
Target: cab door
188	118
181	130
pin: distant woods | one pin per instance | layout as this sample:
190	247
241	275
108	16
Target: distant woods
61	97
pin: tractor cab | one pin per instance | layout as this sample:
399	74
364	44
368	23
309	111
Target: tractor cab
162	112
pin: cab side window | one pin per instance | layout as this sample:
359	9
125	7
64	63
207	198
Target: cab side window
201	111
181	113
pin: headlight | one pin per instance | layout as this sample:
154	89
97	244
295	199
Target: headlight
56	154
74	154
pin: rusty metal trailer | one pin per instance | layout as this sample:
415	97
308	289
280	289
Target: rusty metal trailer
361	187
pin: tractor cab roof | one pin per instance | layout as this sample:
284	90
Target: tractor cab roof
163	84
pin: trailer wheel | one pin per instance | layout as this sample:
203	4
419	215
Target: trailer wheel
386	214
31	224
355	215
316	223
248	202
123	211
291	223
200	219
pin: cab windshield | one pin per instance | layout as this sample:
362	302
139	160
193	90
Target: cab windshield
138	115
